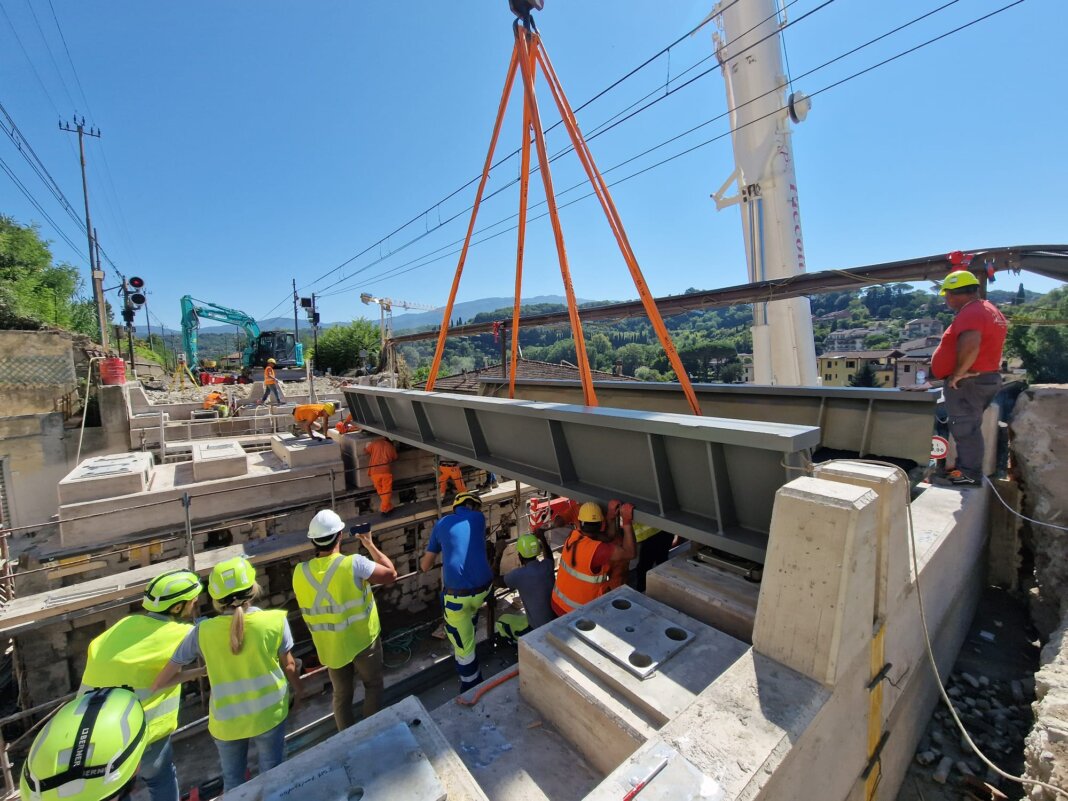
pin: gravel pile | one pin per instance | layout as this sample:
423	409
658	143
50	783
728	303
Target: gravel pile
161	392
998	717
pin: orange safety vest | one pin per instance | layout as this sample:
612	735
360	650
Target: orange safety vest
576	583
268	376
214	399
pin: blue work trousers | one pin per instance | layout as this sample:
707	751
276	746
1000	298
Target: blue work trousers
233	755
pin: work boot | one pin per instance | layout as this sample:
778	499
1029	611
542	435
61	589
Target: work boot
955	478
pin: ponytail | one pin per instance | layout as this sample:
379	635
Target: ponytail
234	606
237	629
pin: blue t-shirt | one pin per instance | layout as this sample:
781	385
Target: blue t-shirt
460	538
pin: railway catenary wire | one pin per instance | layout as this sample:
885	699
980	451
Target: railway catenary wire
418	262
514	153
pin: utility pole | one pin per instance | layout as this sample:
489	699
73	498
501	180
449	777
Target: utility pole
748	48
296	324
94	261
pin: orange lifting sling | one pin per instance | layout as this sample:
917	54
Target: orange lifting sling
527	54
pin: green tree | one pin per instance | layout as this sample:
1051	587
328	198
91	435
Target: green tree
1042	349
339	347
732	373
864	377
33	290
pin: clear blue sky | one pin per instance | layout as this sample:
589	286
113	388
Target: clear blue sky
249	143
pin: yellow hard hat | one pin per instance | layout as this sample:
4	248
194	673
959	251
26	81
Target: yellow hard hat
590	512
328	408
271	361
463	497
958	279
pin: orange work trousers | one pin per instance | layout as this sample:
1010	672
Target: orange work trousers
382	477
449	473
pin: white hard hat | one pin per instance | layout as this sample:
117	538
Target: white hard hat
325	525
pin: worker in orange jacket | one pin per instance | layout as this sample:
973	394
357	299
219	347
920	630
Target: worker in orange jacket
593	562
217	401
270	384
308	415
450	471
347	426
381	454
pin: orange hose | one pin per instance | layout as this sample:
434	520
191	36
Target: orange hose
524	186
439	350
485	688
616	224
589	397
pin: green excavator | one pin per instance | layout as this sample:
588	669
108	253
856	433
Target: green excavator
260	346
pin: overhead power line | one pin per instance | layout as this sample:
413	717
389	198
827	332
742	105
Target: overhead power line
425	260
436	205
597	131
40	209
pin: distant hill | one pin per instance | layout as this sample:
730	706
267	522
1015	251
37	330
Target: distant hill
467	310
401	322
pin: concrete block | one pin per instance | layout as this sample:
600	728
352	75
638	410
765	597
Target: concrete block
665	772
893	563
816	598
304	452
220	458
396	753
604	709
107	477
204	414
722	600
512	751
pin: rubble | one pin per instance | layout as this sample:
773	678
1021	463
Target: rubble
1039	444
1046	749
164	392
995	720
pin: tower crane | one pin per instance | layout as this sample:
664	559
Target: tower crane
385	322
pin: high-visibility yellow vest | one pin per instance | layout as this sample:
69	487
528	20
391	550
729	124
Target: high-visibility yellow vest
643	532
249	694
131	654
341	616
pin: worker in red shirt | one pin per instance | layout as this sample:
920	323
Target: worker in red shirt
380	454
968	359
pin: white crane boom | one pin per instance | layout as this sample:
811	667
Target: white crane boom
783	348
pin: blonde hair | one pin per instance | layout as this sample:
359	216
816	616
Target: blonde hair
235	607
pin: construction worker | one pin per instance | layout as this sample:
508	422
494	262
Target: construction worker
969	359
534	580
380	454
347	426
312	417
460	538
133	652
591	560
450	471
270	384
654	546
88	751
217	401
335	598
248	653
